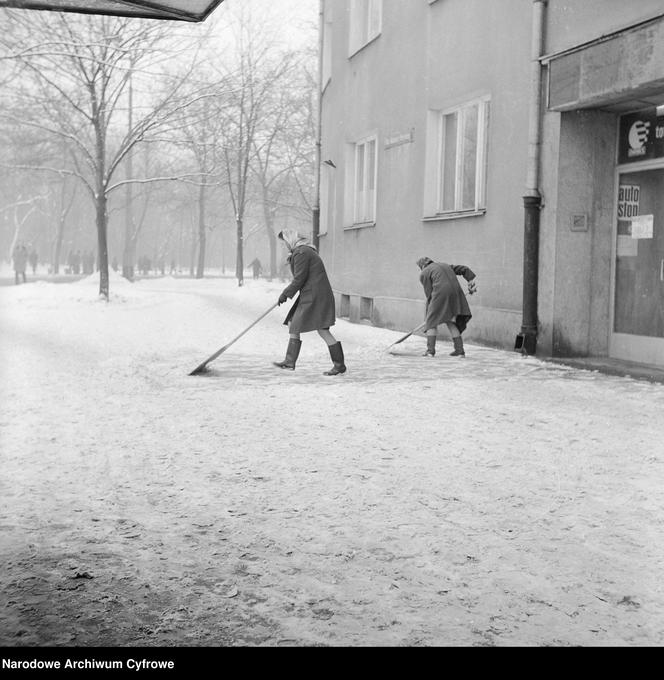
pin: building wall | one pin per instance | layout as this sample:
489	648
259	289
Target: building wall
423	61
576	233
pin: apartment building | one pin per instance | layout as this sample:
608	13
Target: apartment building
522	138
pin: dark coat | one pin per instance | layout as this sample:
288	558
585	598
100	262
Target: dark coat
446	301
314	309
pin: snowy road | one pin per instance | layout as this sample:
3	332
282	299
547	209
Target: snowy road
491	500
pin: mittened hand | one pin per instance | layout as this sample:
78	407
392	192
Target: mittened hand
282	299
472	287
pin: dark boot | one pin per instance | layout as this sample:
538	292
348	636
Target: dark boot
458	347
292	353
431	346
337	355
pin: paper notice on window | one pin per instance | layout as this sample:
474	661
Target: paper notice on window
627	246
642	226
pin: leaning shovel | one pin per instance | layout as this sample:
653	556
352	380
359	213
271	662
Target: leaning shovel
405	337
203	367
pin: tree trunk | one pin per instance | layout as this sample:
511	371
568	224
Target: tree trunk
272	238
239	260
129	257
192	252
201	233
129	253
102	243
59	238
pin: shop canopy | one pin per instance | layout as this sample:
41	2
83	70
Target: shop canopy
178	10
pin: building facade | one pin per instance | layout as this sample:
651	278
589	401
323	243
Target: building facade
522	138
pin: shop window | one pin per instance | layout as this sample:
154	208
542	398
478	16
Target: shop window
366	18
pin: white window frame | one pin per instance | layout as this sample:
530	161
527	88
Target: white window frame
366	23
326	54
364	202
479	203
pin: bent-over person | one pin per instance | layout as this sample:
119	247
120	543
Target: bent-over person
445	301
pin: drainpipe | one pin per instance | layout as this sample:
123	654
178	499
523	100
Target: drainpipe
319	127
526	340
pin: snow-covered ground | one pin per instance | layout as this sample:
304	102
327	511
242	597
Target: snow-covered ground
491	500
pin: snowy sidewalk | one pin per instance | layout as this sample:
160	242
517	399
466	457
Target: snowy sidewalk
491	500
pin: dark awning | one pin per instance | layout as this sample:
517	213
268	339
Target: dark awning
178	10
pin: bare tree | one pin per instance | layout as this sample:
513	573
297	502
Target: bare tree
246	110
283	152
201	137
80	69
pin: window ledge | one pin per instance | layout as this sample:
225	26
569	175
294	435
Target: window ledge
359	225
363	46
453	215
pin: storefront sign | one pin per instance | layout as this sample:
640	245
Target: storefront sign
641	136
628	201
642	226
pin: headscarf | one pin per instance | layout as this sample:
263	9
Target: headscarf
424	262
293	239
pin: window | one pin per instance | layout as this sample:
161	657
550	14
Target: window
366	18
364	190
327	45
462	157
344	306
366	309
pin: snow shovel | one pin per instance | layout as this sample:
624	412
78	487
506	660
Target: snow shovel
405	337
202	367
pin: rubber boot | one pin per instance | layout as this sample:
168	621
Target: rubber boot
431	346
292	353
458	348
337	355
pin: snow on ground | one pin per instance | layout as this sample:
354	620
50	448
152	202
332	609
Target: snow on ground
491	500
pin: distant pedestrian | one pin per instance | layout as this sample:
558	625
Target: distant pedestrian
314	309
33	258
20	259
114	264
445	301
257	267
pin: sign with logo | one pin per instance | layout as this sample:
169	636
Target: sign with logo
641	136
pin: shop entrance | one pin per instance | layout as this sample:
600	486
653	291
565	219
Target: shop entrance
638	312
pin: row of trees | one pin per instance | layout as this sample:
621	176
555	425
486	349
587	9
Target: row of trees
151	122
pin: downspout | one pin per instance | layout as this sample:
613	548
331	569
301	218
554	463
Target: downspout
526	340
319	127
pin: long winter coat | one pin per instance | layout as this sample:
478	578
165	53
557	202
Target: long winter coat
446	301
314	309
